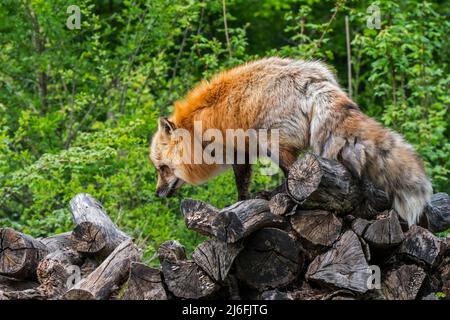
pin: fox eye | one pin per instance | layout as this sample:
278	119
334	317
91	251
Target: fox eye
163	168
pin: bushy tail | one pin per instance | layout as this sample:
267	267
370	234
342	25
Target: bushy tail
402	175
409	204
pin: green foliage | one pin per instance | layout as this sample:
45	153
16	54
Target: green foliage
77	107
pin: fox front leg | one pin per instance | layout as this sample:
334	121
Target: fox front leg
242	176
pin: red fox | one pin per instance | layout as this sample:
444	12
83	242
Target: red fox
304	102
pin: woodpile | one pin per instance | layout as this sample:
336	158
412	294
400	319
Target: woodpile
321	235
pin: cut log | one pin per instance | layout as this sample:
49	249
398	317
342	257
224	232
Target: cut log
184	279
243	218
317	227
374	201
54	271
19	254
403	283
275	294
62	241
200	216
94	231
360	225
28	294
216	258
144	283
109	276
231	223
421	245
444	271
343	266
171	251
270	259
281	204
319	183
11	284
438	212
384	233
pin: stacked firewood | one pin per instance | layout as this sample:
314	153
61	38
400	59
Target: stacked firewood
321	235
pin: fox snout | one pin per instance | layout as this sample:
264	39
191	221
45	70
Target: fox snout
167	189
164	191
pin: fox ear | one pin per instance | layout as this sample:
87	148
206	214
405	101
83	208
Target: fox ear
166	125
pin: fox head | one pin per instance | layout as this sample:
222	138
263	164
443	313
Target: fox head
173	157
164	153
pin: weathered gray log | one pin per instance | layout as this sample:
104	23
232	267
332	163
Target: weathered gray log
343	266
385	232
199	216
94	231
62	241
444	271
421	245
144	283
109	276
216	258
317	227
403	283
360	225
185	279
319	183
270	259
231	223
55	269
281	204
438	212
28	294
11	284
19	254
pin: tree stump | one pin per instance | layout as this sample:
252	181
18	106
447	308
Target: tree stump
319	183
19	254
144	283
216	258
94	231
109	276
403	283
184	279
270	259
343	266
